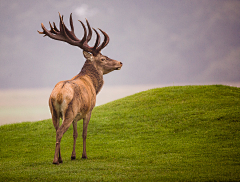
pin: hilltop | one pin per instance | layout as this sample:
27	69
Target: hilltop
183	133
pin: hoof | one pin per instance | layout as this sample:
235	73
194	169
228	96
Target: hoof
84	157
56	163
73	157
60	160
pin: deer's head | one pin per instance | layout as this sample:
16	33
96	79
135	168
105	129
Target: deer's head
93	54
103	63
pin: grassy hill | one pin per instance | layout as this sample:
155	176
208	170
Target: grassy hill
186	133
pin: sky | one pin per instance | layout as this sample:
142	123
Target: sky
158	41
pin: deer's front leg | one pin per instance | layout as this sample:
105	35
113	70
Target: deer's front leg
84	134
75	135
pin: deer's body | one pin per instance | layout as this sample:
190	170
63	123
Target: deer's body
73	100
76	96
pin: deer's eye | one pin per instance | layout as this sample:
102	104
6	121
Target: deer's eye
102	59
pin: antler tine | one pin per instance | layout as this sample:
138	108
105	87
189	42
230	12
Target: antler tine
61	24
43	32
52	29
105	42
71	23
85	32
89	31
40	32
55	27
97	40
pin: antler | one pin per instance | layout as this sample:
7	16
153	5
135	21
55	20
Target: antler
66	35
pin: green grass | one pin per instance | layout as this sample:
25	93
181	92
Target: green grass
187	133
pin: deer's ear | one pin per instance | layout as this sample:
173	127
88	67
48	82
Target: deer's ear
88	56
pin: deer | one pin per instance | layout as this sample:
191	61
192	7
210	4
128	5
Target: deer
74	99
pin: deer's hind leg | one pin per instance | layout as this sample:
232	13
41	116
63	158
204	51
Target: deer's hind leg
55	120
61	130
56	125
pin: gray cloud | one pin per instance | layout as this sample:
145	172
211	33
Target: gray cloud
84	11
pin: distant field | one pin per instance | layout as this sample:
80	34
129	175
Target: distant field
32	104
185	133
24	105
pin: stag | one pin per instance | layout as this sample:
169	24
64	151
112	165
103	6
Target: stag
73	100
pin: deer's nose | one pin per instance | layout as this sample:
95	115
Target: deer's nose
121	63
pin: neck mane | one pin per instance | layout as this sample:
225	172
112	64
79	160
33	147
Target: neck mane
90	70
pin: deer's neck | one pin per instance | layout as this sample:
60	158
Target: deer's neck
96	77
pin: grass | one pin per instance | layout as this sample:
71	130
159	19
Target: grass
186	133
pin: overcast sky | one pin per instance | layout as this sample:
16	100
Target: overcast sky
158	41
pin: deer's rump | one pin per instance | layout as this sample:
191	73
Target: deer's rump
70	100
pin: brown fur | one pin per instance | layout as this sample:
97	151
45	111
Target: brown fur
74	99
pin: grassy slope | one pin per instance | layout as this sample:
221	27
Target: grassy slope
188	133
